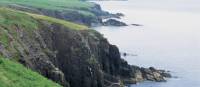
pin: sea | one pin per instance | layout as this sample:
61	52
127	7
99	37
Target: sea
168	39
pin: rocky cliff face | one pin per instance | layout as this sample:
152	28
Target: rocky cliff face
76	58
70	57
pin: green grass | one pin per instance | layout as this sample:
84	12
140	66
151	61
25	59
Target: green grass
67	24
10	18
13	21
13	74
77	5
56	4
4	39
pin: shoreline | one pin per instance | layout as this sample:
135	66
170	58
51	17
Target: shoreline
52	42
149	71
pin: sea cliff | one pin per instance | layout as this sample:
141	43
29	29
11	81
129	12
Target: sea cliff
71	54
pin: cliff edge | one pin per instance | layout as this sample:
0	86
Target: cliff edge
70	54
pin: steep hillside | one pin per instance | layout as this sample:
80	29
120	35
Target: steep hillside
16	75
71	10
20	39
67	53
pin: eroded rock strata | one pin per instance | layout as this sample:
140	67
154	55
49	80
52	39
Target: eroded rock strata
73	58
70	56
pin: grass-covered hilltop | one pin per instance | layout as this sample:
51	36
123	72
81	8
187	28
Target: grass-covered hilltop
43	44
71	10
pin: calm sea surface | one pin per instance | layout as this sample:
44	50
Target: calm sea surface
169	39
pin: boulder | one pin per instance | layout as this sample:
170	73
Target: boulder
166	74
120	14
136	24
113	22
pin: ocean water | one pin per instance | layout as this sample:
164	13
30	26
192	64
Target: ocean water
169	38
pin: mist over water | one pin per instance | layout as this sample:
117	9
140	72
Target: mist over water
169	39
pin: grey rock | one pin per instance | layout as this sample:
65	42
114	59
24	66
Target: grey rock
136	24
113	22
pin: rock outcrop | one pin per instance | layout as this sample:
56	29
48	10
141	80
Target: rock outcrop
70	57
136	24
113	22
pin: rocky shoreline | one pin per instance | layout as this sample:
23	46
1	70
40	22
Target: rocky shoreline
113	22
70	57
140	73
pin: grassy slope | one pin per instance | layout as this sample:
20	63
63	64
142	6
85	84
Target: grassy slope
50	4
70	25
11	21
13	74
53	4
28	21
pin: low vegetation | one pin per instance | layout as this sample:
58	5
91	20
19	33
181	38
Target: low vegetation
13	74
77	5
12	19
67	24
12	22
51	4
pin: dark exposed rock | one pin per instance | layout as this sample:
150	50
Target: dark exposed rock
165	74
136	24
78	58
75	58
113	22
124	54
120	14
110	15
73	15
154	75
152	69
